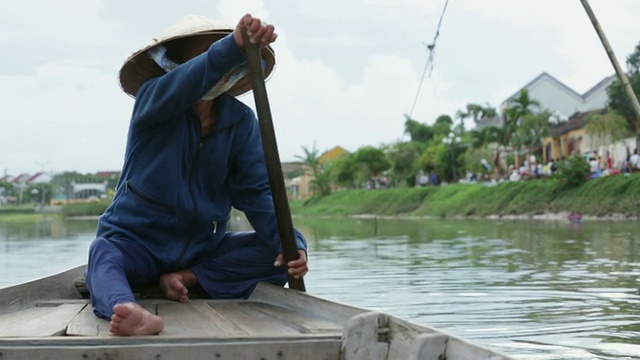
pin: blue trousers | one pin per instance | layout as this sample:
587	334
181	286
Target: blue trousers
231	272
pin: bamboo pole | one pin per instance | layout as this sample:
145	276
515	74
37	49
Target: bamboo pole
621	74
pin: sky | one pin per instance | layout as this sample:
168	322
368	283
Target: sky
347	71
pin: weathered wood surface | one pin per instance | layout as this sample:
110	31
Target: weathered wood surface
58	286
42	320
38	321
267	349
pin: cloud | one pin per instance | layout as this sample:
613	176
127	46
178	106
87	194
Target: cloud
68	114
347	72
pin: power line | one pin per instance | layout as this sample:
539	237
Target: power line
429	64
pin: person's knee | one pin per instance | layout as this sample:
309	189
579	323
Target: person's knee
103	248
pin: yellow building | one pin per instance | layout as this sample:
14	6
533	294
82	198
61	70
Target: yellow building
567	138
332	154
301	187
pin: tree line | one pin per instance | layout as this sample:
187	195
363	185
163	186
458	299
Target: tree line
519	128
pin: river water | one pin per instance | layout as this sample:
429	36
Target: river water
533	290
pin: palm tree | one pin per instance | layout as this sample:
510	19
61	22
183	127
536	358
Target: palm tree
311	159
513	117
606	127
523	105
483	137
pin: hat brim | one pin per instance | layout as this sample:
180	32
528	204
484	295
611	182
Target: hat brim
139	67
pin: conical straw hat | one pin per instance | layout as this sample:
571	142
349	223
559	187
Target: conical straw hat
139	67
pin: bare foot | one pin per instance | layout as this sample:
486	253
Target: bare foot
174	287
133	319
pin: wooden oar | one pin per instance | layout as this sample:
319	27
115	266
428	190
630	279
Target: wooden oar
272	158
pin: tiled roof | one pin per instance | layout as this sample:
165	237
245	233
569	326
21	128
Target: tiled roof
575	122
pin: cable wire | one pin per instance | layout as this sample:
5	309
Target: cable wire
429	64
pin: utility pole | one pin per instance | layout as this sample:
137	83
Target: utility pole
621	75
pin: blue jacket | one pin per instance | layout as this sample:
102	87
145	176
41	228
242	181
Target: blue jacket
176	190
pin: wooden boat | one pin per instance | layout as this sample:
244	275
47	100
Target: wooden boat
51	318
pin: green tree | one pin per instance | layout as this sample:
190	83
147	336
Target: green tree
448	162
483	137
462	116
606	127
7	187
531	130
373	159
479	112
418	132
572	171
404	159
322	181
444	119
442	126
311	159
618	99
345	171
523	105
512	118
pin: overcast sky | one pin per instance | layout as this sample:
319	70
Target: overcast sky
347	71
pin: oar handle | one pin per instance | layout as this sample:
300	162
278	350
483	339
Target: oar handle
272	158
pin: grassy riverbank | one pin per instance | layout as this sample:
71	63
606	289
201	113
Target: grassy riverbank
617	196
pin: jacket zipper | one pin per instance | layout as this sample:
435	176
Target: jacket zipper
196	210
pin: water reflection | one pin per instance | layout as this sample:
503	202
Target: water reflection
31	249
538	290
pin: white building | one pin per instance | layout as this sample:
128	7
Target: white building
559	98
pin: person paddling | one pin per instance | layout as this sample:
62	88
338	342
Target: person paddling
193	152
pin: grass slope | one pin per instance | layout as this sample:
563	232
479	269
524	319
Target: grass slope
598	197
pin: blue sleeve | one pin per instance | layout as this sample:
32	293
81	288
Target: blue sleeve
163	97
250	190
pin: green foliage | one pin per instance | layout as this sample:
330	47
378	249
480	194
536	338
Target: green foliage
15	210
447	161
444	119
85	208
381	202
441	129
633	61
472	158
477	112
373	159
618	99
572	171
322	181
608	126
483	137
345	171
418	132
597	197
7	186
532	128
404	160
427	160
311	158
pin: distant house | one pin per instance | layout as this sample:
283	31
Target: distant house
40	178
569	138
554	95
300	187
108	174
333	154
20	179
